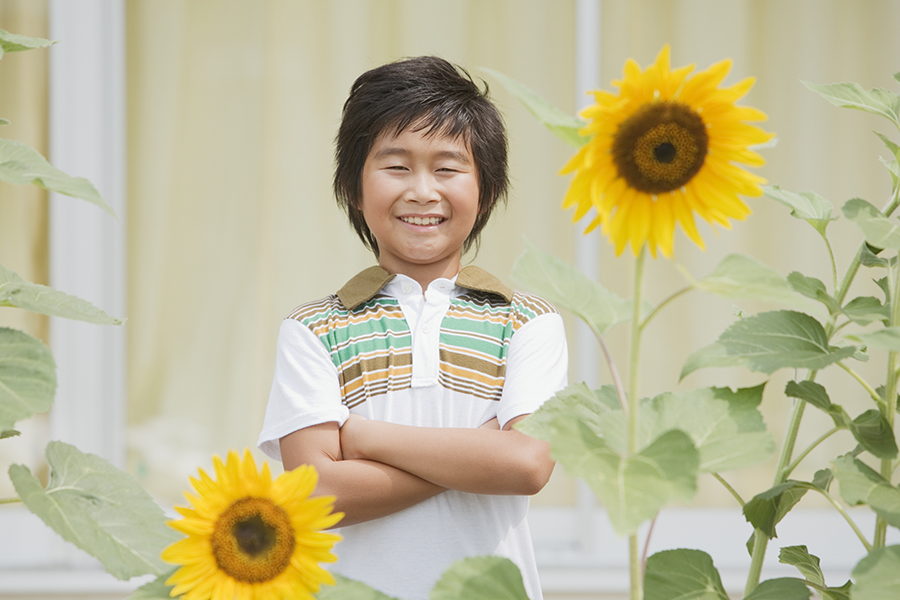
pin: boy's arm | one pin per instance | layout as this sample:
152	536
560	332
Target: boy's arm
363	489
479	461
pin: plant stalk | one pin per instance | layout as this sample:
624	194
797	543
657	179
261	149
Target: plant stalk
10	500
634	552
889	406
730	489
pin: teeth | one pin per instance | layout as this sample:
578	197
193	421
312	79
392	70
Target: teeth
422	220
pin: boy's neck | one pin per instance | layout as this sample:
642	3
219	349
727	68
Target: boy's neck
424	274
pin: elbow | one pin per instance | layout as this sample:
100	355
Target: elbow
536	469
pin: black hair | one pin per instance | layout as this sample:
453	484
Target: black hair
432	95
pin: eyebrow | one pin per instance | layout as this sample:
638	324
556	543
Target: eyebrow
398	151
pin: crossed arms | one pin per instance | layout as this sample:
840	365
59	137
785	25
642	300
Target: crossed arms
375	468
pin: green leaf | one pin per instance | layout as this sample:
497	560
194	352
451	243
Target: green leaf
686	574
13	42
876	575
587	438
567	287
890	145
808	206
767	509
865	310
8	433
480	578
893	168
880	339
852	95
823	478
350	589
868	257
859	484
563	125
100	509
782	588
4	122
27	377
813	288
725	426
771	341
879	230
155	590
810	391
874	433
20	165
806	563
838	593
15	291
740	276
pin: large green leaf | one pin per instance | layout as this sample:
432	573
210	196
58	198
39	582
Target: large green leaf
878	575
560	123
808	206
768	508
852	95
859	484
27	377
879	230
683	574
782	588
569	288
350	589
155	590
726	426
20	165
740	276
808	565
771	341
15	291
480	578
13	42
100	509
866	309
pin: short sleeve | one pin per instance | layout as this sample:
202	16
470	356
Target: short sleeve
305	388
536	366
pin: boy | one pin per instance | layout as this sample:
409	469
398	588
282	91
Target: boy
403	388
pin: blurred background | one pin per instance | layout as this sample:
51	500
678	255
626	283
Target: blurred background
208	125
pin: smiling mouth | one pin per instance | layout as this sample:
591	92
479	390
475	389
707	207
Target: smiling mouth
423	220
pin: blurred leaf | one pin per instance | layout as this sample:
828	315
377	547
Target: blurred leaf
859	484
100	509
885	287
725	426
782	588
874	433
8	433
865	310
155	590
808	206
15	291
812	392
823	478
890	145
685	574
767	509
806	563
880	231
876	575
852	95
868	257
27	377
350	589
893	168
813	288
20	165
560	123
567	287
880	339
4	122
739	276
480	578
770	341
12	42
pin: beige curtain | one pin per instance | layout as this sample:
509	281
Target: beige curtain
232	111
23	209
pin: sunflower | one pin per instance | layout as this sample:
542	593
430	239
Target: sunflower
251	538
662	150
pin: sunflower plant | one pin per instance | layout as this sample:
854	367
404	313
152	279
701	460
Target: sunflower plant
669	147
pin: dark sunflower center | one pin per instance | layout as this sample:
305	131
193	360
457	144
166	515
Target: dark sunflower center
661	147
253	540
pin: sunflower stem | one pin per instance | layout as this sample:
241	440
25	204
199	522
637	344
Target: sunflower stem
889	405
637	578
613	370
879	401
790	468
663	304
730	489
834	274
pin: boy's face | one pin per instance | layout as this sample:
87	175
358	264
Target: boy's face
420	200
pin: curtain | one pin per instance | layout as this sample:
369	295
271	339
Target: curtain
233	107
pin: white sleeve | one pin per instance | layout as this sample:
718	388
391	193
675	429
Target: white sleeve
536	367
305	388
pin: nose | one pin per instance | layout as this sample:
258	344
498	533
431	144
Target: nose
424	188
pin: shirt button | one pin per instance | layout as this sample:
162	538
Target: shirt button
425	329
407	289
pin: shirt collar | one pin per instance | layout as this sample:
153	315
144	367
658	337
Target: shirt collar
365	285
